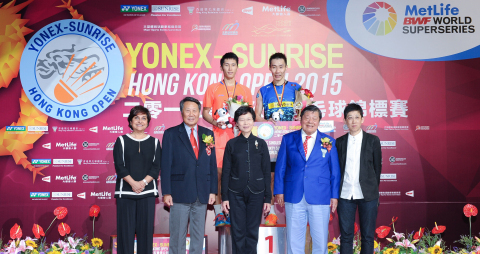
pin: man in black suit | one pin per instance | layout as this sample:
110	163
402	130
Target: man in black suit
189	178
360	158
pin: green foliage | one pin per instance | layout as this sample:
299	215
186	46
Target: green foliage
467	242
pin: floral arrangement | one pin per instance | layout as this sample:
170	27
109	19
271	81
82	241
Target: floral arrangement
234	103
237	100
208	140
423	241
326	143
306	92
38	245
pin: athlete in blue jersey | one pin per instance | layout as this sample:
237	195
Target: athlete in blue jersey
276	99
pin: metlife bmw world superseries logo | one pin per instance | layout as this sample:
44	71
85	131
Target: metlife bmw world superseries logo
67	70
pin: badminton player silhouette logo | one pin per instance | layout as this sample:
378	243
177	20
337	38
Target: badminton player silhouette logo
77	70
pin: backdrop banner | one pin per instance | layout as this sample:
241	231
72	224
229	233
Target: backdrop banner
71	71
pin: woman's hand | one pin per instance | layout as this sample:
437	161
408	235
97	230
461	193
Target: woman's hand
138	186
225	206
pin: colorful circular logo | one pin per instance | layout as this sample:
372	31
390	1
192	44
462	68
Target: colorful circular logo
71	70
379	18
265	131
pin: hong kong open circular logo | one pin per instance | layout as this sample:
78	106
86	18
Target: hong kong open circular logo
265	131
71	70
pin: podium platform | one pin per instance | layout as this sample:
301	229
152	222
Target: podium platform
160	244
271	240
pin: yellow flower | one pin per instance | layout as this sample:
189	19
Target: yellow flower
31	243
435	250
85	247
325	140
35	251
208	139
331	246
97	242
54	252
392	251
375	244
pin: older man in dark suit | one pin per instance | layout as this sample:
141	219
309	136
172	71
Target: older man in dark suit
360	156
189	178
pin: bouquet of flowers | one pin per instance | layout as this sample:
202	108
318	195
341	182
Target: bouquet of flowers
235	103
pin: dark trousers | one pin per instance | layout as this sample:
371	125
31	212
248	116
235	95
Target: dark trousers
245	217
346	216
135	216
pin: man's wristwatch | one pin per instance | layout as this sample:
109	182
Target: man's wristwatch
145	181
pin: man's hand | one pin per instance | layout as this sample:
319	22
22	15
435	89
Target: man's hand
211	199
218	124
266	208
280	200
333	204
167	199
225	206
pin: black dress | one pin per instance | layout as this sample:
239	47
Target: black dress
136	212
246	176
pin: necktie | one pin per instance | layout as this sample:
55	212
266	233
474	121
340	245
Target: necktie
194	142
305	145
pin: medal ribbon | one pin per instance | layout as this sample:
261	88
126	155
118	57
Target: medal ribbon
280	99
226	89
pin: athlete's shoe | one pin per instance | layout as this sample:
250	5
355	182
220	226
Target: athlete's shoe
220	220
271	220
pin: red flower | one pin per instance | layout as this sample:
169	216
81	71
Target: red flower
308	93
60	212
438	229
394	219
470	210
15	232
328	146
419	234
382	231
331	217
94	211
37	231
356	228
63	229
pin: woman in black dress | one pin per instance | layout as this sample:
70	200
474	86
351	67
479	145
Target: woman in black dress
246	183
137	159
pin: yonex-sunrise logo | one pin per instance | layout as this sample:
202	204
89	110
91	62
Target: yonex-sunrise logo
379	18
66	70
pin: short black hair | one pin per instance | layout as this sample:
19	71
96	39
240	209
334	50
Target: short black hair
243	110
138	110
311	108
277	55
229	55
352	107
192	100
